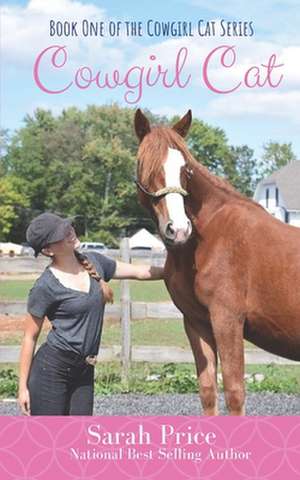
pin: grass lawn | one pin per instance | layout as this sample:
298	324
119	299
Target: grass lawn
11	290
154	291
149	332
154	332
162	332
144	332
15	338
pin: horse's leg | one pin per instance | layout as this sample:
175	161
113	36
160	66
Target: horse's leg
228	331
205	353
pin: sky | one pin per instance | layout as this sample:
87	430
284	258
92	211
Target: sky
251	116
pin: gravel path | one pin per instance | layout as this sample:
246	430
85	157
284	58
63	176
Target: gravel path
183	404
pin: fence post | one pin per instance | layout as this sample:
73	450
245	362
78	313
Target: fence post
125	316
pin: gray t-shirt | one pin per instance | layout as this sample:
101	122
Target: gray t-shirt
76	317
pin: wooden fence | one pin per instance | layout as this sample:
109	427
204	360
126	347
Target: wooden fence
125	312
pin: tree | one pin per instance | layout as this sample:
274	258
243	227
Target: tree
275	156
209	145
29	157
4	142
246	170
11	201
82	164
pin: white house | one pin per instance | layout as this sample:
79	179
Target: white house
279	193
9	248
144	239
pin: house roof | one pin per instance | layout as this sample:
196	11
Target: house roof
287	180
143	239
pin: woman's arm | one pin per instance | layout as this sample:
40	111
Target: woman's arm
33	327
138	272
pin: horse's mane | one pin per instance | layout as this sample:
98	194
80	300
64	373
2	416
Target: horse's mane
154	148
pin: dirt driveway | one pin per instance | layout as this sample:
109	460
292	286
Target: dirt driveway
13	326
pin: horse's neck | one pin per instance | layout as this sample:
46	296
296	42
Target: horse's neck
206	197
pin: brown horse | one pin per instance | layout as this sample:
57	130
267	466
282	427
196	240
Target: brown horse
232	269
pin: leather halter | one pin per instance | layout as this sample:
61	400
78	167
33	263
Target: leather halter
164	191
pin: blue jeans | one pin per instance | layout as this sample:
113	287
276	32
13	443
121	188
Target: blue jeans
60	383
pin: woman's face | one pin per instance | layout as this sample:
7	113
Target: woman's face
65	246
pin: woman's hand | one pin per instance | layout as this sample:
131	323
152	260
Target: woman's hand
24	401
32	330
108	294
138	272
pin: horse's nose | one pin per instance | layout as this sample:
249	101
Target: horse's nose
175	234
170	231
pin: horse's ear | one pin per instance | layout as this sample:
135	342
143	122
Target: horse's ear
141	124
182	127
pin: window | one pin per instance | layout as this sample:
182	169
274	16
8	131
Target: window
277	197
267	197
287	217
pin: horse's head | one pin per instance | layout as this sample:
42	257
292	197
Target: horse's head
162	176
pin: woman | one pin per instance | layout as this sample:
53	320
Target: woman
71	292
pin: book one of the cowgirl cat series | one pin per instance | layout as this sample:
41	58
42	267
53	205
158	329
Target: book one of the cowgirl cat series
82	83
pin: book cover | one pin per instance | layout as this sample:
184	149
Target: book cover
82	84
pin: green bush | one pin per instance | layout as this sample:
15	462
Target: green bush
155	379
8	382
278	379
168	378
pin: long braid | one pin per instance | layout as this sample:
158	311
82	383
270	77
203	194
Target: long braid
108	294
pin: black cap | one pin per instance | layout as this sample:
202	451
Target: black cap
45	229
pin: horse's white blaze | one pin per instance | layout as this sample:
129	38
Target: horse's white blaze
175	204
